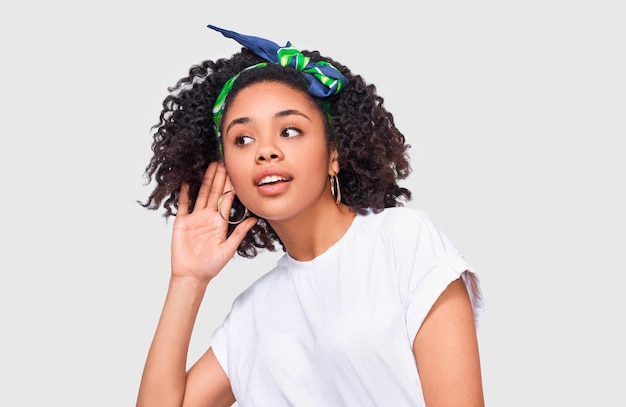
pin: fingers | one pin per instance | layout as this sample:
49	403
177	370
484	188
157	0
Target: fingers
183	199
235	238
226	199
213	193
212	186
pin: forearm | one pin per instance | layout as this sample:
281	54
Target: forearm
164	375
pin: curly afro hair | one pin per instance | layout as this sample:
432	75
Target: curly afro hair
372	151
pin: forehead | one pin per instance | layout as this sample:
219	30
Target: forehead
271	94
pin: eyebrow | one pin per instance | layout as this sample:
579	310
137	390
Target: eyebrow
282	113
290	112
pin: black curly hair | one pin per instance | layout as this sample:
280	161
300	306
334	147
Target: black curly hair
372	151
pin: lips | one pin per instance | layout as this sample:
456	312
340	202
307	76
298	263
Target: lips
271	176
272	182
272	179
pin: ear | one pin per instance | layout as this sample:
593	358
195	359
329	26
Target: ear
333	162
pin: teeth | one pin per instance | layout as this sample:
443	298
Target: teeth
271	178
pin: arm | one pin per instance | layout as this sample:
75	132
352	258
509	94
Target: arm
446	352
200	250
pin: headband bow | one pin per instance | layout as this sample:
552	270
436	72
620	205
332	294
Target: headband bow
324	79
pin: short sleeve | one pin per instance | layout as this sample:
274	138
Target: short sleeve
219	344
427	262
450	268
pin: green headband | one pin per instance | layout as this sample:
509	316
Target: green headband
324	79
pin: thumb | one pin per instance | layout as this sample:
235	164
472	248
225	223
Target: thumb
239	233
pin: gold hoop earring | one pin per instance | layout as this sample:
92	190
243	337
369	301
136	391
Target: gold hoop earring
335	189
219	210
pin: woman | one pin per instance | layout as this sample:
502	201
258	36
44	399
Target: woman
371	305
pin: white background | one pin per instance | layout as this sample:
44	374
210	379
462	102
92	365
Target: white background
516	116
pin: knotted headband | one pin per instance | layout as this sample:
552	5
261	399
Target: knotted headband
324	79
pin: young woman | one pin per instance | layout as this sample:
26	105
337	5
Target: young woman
370	305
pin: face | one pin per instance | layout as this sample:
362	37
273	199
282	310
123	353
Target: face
275	152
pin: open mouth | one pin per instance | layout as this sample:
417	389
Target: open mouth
272	179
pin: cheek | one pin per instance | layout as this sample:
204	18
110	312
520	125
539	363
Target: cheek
316	168
235	170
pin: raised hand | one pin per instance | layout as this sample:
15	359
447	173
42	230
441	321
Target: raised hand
200	248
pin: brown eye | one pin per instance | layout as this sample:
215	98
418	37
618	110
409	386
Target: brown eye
242	140
291	132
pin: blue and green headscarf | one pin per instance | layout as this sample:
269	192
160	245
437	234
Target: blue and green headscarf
324	79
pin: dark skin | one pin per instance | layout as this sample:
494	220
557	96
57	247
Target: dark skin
373	150
445	348
449	370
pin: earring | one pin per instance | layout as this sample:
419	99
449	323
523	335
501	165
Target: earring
335	189
219	210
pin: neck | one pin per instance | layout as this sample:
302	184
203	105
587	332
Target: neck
307	237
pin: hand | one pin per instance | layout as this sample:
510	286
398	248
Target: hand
200	249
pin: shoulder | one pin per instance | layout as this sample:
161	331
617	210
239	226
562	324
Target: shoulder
264	285
399	213
409	231
400	221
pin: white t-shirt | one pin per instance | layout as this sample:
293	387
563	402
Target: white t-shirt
338	330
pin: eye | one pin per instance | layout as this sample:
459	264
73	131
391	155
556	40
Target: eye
242	140
290	132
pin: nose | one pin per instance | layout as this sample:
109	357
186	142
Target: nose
268	151
271	157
